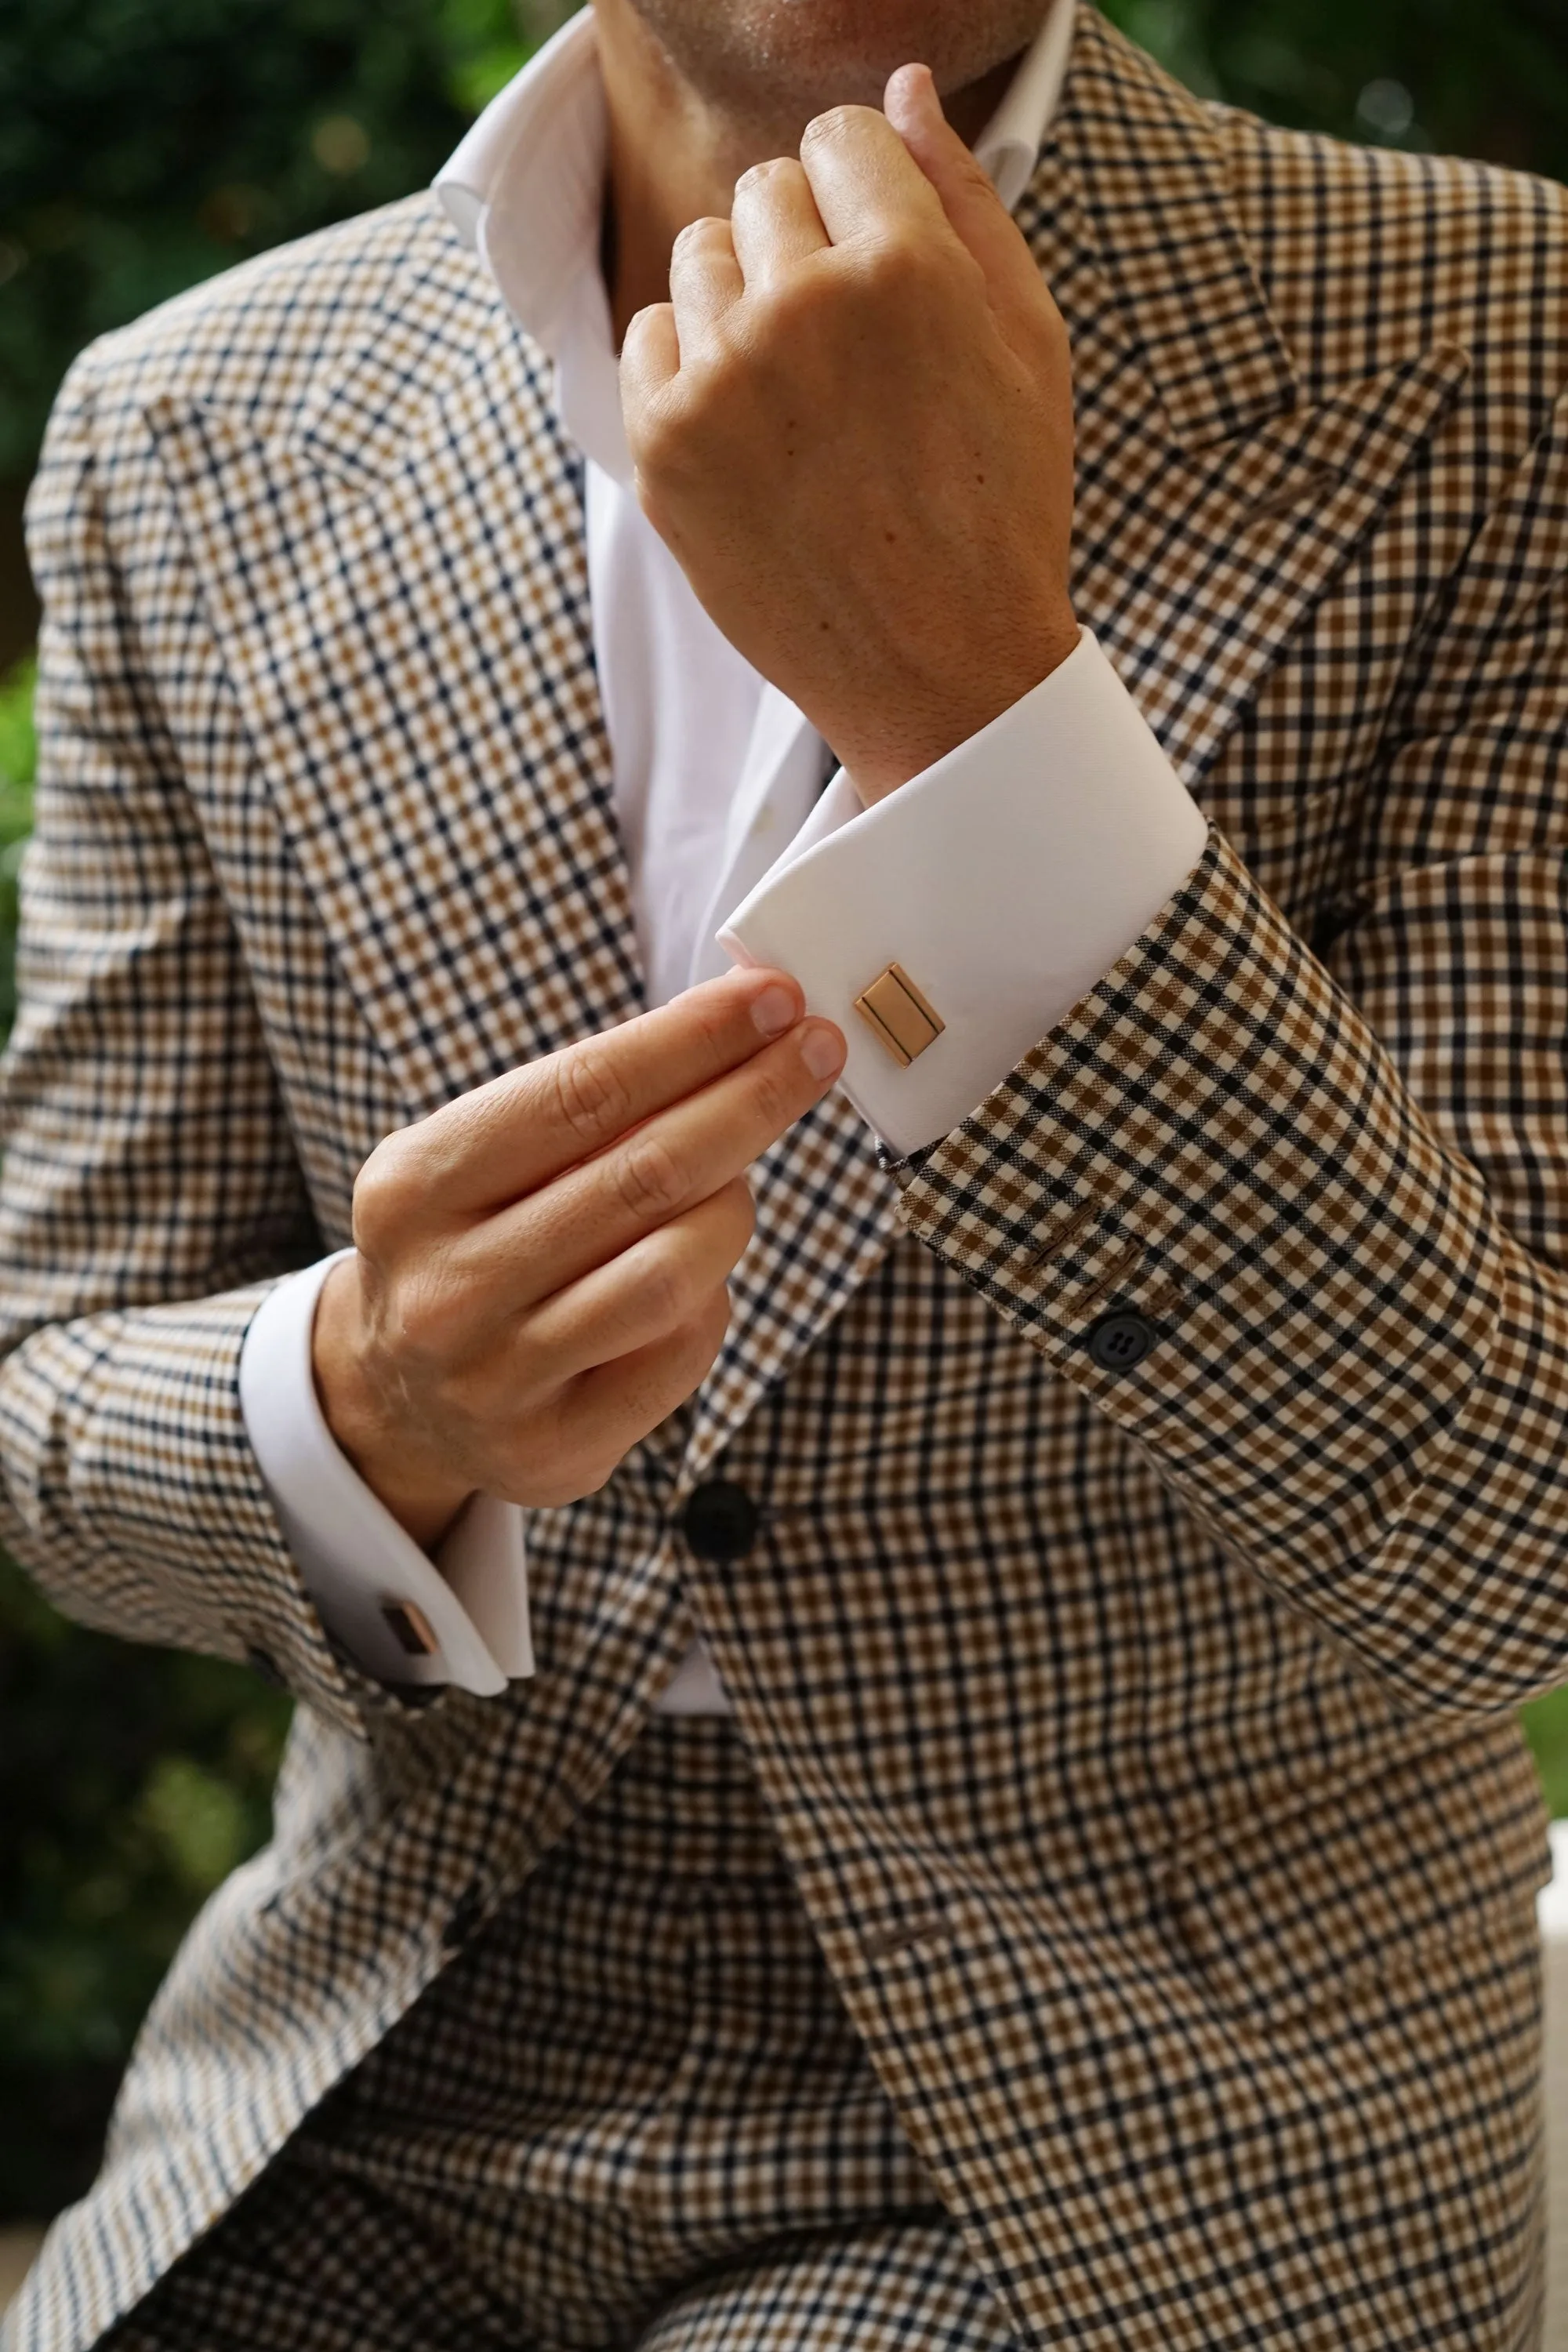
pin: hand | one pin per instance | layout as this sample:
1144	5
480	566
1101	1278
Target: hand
852	424
541	1266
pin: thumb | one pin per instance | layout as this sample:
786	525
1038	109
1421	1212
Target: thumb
974	210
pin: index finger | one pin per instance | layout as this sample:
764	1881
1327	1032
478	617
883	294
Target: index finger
865	181
506	1139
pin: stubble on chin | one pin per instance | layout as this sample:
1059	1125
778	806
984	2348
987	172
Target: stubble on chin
767	67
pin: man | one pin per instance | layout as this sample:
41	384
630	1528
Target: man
1121	1512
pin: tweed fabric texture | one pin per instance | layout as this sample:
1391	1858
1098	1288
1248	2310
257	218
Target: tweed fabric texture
1140	1741
631	2111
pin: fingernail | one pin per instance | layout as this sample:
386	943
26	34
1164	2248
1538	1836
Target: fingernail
774	1011
822	1051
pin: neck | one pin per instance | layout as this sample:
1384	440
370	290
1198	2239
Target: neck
673	158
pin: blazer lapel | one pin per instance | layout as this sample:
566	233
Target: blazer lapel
1214	508
826	1214
400	587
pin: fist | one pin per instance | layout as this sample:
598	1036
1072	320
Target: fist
852	424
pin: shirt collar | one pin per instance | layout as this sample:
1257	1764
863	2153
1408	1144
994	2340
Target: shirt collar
525	187
1009	146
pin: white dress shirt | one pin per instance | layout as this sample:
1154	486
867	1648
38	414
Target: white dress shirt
1006	880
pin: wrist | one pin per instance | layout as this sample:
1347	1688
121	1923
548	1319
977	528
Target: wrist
421	1496
991	685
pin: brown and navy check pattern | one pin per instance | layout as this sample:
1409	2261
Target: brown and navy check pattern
631	2114
1140	1742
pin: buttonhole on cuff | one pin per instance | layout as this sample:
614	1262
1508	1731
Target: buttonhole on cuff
1123	1266
1166	1298
1061	1239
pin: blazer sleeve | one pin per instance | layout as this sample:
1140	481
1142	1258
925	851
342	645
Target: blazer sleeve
1298	1223
150	1192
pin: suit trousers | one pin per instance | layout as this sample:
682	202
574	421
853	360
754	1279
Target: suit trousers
631	2113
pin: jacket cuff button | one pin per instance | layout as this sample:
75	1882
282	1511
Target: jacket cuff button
1121	1339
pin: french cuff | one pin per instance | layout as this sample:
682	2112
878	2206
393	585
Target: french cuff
948	928
401	1617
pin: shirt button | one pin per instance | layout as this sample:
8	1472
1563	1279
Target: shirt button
1121	1339
720	1520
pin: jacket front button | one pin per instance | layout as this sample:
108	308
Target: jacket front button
1121	1339
720	1520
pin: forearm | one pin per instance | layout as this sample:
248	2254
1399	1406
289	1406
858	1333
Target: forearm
1350	1372
131	1492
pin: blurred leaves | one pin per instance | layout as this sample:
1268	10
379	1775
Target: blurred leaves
145	143
17	755
131	1782
1423	74
1546	1725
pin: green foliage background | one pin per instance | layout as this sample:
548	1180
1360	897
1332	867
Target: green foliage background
143	144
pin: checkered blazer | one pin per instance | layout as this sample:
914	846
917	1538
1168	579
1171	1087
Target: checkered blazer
1140	1740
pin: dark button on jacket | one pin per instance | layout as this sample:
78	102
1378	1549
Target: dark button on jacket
1121	1339
720	1520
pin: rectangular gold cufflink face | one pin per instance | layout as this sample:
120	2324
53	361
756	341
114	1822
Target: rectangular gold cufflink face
903	1021
410	1628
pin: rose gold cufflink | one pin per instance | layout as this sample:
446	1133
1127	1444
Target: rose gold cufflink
905	1023
410	1628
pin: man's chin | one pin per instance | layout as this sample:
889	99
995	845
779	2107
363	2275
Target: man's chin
787	60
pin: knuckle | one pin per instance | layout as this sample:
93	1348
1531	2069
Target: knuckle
779	1093
698	234
648	1177
665	445
973	174
719	1310
551	1476
665	1300
593	1455
715	1024
834	123
783	311
549	1468
742	1206
383	1189
693	1350
771	170
591	1099
893	268
709	1329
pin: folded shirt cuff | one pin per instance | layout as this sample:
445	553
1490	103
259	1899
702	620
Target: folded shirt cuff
1002	884
379	1596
